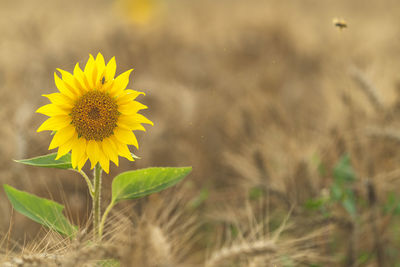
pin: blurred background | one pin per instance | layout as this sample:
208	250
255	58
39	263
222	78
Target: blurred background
291	124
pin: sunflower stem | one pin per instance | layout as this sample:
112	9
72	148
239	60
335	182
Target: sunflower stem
89	183
96	202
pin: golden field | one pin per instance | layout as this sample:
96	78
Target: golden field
273	106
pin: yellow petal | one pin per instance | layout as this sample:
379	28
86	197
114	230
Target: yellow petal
65	148
130	123
136	127
62	136
51	110
131	107
101	66
94	75
110	69
81	78
107	85
110	150
93	151
120	83
104	162
126	137
60	100
74	81
89	70
64	88
100	61
78	152
142	119
70	82
55	123
128	96
122	149
82	161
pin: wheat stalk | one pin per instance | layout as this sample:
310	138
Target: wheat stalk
367	87
246	249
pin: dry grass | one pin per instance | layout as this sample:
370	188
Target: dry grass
263	98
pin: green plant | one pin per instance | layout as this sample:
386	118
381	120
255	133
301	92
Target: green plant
93	116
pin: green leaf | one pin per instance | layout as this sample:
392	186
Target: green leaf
139	183
392	204
256	193
315	203
199	199
234	230
343	171
108	263
336	192
350	206
49	161
316	160
41	210
364	257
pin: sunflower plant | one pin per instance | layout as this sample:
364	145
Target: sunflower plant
92	117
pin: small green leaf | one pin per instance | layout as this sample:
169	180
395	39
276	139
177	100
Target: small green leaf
364	257
343	171
234	230
350	206
41	210
256	193
139	183
199	199
49	161
316	160
336	192
108	263
314	203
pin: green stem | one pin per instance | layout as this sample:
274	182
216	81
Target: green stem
96	201
89	184
104	218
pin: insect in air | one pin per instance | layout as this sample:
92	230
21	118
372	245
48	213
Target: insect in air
340	23
103	80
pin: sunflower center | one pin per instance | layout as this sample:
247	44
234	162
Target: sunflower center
95	115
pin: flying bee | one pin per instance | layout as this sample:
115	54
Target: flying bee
103	80
340	23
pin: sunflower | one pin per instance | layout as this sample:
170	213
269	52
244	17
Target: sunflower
93	115
138	11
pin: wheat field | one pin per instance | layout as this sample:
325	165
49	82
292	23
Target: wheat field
289	122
